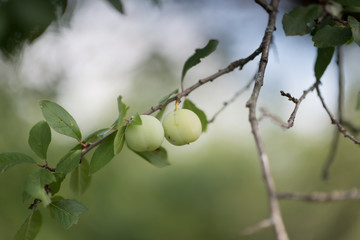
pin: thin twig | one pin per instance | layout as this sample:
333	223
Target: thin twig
353	194
328	12
35	203
335	142
341	81
232	99
290	98
263	3
348	125
258	227
291	120
231	67
334	120
331	157
275	212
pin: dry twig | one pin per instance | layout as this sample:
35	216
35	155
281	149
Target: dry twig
353	194
258	227
336	137
334	120
275	212
291	120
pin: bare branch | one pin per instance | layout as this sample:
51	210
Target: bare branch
337	195
258	227
335	142
334	120
291	120
263	3
290	98
275	212
341	80
231	67
331	157
348	125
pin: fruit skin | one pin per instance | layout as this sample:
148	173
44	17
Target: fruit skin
145	137
182	127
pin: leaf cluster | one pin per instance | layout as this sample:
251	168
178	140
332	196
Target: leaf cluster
330	25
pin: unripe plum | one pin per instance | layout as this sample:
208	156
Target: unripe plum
145	137
182	127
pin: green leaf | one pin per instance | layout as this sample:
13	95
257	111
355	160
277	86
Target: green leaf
198	55
323	59
157	158
40	138
25	197
348	2
96	135
35	183
331	36
10	159
117	4
301	20
119	140
358	101
160	114
352	9
136	120
92	137
60	120
80	178
202	116
67	211
103	154
30	227
69	162
55	186
355	29
162	101
123	108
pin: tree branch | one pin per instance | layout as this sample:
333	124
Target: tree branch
258	227
263	3
275	212
336	137
353	194
331	156
334	120
291	120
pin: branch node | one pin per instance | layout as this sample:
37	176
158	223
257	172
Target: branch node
267	7
35	203
290	98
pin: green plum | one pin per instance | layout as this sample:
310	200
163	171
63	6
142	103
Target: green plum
145	137
182	127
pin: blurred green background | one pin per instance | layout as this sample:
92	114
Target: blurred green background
213	188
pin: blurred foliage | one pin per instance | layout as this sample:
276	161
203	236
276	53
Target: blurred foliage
23	21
